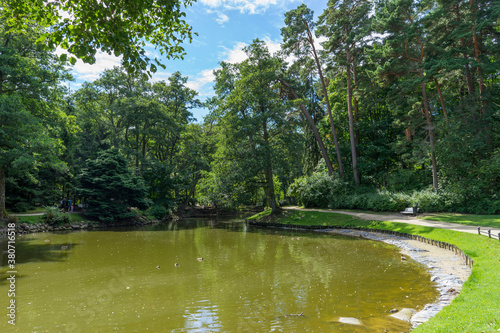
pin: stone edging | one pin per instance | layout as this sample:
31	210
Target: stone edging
468	261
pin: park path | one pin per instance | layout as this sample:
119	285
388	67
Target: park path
394	217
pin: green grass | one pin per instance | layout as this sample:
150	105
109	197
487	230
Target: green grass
31	211
73	217
477	220
476	309
260	215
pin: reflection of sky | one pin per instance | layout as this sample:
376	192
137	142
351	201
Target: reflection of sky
203	315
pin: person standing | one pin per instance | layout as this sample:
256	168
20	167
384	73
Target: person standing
70	205
63	204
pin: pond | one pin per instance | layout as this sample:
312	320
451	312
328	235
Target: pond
250	280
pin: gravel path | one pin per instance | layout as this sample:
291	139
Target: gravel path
391	217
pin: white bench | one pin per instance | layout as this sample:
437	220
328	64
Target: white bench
409	211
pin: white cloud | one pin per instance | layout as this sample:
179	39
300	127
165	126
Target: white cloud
87	72
318	41
202	83
245	6
221	17
160	76
272	46
237	55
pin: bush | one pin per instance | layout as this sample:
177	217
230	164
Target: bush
53	216
318	190
322	190
110	188
158	212
21	207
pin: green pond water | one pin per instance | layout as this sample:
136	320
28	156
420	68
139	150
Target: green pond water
250	280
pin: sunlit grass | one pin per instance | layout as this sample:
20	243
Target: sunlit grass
73	217
477	308
477	220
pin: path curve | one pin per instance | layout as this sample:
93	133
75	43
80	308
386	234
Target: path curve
392	217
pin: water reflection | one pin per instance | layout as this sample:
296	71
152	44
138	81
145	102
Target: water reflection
251	280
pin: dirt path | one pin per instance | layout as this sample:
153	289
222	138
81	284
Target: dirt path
394	217
29	214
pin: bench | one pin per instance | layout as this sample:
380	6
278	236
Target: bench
411	211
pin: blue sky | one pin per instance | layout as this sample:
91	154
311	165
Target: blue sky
224	27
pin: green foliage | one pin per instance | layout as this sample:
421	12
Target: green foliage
321	190
254	136
54	216
158	212
12	219
31	118
109	188
123	28
20	207
318	189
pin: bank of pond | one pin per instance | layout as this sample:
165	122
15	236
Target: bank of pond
224	275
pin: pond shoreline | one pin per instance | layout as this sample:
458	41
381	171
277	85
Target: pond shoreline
27	228
448	270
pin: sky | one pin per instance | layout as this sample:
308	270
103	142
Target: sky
224	27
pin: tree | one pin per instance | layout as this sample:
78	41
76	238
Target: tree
31	119
251	117
120	27
298	40
405	43
346	24
110	188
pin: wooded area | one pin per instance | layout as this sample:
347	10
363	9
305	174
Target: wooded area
400	105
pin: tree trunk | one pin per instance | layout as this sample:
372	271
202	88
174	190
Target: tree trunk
328	108
351	120
356	109
477	52
183	205
445	114
313	127
430	127
3	212
271	198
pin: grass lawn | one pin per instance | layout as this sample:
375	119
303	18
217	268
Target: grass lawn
73	217
476	309
31	211
479	220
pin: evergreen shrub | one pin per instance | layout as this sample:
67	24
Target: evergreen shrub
110	188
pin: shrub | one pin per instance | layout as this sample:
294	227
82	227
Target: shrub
12	219
318	189
53	216
20	207
158	212
322	190
110	188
